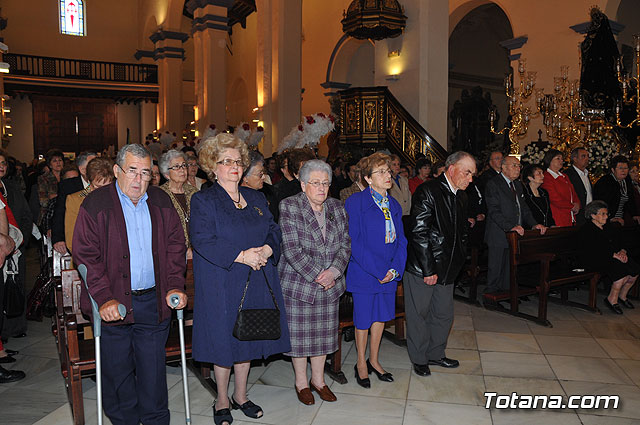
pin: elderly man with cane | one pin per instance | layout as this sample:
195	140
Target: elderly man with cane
130	238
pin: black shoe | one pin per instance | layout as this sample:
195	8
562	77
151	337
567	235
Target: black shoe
22	335
445	362
221	416
7	376
624	303
421	369
613	307
364	383
7	359
11	352
386	377
248	408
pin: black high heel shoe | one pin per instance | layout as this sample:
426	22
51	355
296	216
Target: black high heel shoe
386	377
613	307
625	303
364	383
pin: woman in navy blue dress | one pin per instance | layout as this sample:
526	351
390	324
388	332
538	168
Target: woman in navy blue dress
378	256
234	238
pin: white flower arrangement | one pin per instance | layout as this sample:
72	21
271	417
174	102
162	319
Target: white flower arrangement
534	152
601	151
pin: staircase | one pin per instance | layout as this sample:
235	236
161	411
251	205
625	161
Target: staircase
373	116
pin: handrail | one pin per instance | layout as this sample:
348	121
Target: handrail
80	69
374	115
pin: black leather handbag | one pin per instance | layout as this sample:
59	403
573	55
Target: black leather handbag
257	323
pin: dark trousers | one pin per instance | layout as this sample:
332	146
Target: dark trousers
17	325
133	367
429	315
498	279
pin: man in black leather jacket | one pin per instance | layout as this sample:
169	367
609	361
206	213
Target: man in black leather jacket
437	250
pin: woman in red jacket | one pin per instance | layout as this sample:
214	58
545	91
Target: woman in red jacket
564	199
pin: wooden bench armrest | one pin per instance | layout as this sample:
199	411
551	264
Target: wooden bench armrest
544	257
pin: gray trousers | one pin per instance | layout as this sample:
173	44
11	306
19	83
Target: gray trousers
429	315
498	278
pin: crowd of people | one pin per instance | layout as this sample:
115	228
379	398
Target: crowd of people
297	233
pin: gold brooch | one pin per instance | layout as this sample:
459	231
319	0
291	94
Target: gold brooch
259	210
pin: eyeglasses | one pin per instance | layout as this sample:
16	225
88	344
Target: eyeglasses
182	166
318	184
381	172
132	173
228	162
260	175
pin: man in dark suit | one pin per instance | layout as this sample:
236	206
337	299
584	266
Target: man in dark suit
579	177
495	163
507	211
67	187
130	238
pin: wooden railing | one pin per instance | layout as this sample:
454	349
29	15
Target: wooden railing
372	115
42	66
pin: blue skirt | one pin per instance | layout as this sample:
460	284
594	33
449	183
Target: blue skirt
370	308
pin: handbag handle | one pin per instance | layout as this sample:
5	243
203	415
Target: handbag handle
246	286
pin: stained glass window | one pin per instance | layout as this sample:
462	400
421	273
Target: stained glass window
72	17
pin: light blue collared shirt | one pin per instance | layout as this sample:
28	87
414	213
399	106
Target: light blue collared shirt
138	222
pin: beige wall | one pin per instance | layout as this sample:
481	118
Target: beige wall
33	28
21	144
321	30
242	94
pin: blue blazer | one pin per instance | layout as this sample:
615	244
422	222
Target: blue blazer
371	258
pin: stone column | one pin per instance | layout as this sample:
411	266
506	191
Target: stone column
279	67
169	54
210	29
433	88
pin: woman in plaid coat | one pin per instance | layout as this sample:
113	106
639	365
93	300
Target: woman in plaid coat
315	251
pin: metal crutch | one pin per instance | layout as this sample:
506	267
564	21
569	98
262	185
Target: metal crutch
97	331
174	300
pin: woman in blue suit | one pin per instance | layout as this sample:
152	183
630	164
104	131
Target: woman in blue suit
378	256
234	239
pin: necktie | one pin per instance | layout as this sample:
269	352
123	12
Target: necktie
513	190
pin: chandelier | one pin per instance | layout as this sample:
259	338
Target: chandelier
520	113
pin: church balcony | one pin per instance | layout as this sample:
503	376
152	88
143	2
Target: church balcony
29	74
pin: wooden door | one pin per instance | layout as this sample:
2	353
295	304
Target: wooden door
73	124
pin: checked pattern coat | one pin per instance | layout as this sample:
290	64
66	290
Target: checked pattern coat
312	312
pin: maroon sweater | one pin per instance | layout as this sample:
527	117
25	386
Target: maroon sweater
100	243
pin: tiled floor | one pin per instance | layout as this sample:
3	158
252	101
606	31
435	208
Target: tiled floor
582	354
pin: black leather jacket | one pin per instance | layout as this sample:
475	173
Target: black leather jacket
438	231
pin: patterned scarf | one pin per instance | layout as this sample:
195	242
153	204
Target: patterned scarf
383	203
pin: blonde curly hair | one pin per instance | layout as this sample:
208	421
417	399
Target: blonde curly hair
212	149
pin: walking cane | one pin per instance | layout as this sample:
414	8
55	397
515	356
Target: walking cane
174	300
97	325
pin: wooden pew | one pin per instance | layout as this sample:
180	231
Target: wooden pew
76	343
551	259
466	289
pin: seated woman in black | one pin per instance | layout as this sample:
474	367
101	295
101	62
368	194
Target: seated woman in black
602	252
537	198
